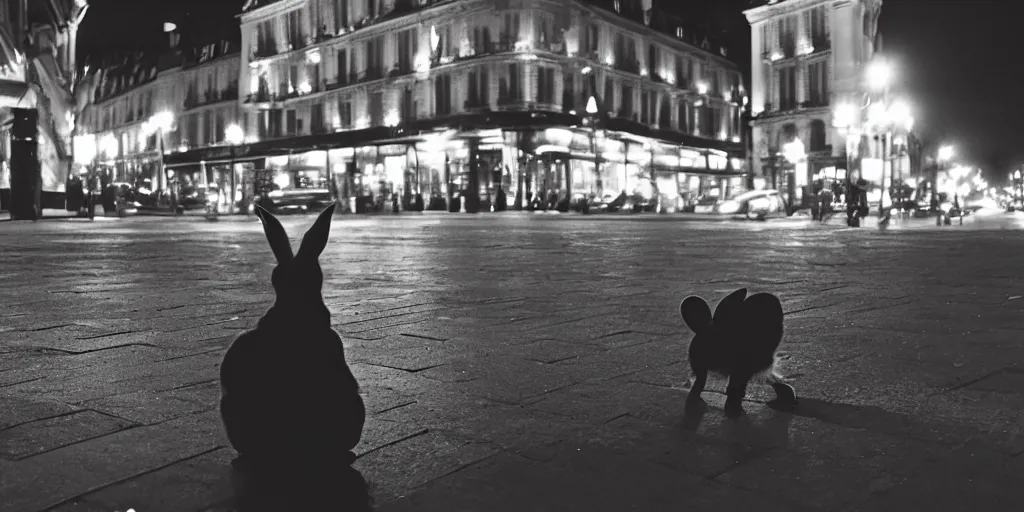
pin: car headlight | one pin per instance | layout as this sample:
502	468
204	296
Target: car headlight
729	207
275	193
212	198
947	206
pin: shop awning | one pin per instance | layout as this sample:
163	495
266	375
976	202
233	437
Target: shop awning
416	130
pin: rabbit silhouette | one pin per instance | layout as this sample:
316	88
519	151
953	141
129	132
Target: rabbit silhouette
288	398
739	342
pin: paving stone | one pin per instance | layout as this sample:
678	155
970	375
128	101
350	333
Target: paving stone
191	484
54	477
28	439
575	371
19	410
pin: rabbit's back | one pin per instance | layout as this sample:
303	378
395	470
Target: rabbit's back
732	351
290	395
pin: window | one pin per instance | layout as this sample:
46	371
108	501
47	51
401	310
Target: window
478	85
376	109
408	112
208	136
645	107
374	57
817	135
609	94
569	93
593	37
515	78
291	122
653	60
787	88
218	128
545	85
683	125
482	40
817	83
787	35
345	113
316	118
818	27
340	15
682	80
510	28
293	29
405	50
627	101
443	95
664	113
343	72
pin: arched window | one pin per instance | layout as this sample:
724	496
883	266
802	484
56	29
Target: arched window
817	135
787	134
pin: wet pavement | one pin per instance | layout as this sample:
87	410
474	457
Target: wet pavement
526	362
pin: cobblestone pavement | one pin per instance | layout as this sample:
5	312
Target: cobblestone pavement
516	362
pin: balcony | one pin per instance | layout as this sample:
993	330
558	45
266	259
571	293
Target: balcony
628	65
198	100
476	105
263	51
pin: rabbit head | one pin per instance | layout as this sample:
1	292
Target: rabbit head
297	279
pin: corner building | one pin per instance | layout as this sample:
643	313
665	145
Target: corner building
441	104
807	57
146	108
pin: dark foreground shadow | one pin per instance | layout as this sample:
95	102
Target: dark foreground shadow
342	489
767	427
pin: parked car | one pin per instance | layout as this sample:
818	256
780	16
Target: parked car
754	204
706	204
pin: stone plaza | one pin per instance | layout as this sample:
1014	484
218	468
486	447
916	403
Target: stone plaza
522	362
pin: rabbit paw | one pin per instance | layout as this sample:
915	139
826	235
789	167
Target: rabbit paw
733	409
785	395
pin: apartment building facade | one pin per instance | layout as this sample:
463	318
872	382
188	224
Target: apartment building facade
149	105
427	100
37	107
808	57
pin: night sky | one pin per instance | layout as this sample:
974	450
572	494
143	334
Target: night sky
955	59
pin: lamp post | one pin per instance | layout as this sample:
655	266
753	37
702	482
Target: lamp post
944	155
160	123
593	119
234	135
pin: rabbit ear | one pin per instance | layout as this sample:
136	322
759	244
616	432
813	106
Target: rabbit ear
762	310
275	235
730	304
695	313
315	239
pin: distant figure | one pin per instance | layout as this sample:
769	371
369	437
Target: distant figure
825	200
289	400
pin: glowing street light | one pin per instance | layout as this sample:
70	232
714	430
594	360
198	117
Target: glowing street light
879	74
946	154
234	134
592	106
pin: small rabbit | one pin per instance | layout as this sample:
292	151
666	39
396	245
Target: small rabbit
288	397
739	342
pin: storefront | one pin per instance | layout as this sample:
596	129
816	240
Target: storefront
521	165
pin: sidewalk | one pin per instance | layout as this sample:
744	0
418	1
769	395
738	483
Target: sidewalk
544	373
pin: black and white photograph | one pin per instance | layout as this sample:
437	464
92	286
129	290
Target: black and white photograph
511	256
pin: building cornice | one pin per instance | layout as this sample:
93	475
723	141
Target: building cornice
263	11
640	28
767	11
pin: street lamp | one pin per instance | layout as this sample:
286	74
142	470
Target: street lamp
159	123
879	75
